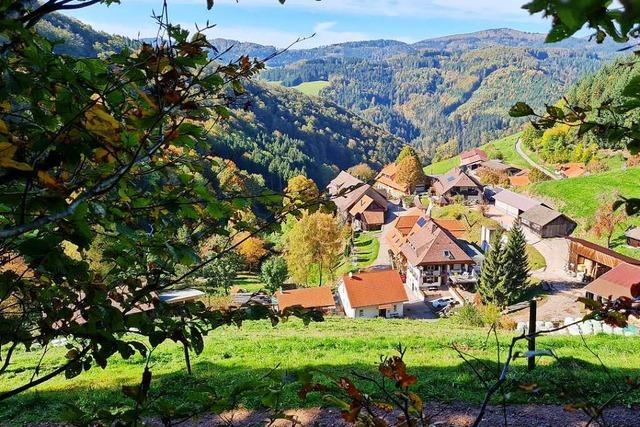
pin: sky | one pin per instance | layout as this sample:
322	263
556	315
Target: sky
333	21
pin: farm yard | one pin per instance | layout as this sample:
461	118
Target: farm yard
338	346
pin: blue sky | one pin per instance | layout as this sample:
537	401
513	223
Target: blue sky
333	21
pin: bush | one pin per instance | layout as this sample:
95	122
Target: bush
507	323
477	315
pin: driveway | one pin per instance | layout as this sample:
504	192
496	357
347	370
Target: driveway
393	211
529	160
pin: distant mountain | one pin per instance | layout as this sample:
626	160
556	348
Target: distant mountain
455	88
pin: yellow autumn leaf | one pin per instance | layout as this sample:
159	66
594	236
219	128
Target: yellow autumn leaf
101	123
48	181
7	151
4	129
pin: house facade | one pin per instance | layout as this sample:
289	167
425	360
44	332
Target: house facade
590	260
372	294
457	183
357	203
433	255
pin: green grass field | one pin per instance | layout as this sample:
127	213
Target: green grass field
443	166
536	260
338	346
366	251
579	198
248	281
311	88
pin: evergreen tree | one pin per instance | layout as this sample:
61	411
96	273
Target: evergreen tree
492	271
515	278
407	151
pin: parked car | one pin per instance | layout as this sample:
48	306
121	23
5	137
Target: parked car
441	303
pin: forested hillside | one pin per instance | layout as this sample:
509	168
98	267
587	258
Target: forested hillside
286	133
456	88
79	39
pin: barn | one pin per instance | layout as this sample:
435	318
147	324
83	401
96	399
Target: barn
546	222
513	204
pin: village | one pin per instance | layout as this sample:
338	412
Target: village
428	267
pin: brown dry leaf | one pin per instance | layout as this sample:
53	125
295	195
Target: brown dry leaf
48	181
7	151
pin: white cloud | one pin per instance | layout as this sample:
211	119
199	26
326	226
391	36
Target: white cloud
325	33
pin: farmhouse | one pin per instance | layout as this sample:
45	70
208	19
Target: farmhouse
457	183
620	281
372	294
396	233
473	158
514	204
432	255
500	167
633	237
592	261
319	298
453	226
387	181
546	222
356	202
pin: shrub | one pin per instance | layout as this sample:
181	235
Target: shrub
477	315
507	323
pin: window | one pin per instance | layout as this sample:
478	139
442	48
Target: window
447	253
395	307
360	313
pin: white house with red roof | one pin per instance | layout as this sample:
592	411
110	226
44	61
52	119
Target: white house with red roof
372	294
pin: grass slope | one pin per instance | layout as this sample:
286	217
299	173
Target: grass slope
579	198
311	88
339	346
366	248
505	146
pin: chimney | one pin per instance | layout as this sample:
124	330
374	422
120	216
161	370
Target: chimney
351	274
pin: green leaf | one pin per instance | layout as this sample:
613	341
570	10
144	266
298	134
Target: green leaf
521	109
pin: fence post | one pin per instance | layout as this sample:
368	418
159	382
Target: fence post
531	331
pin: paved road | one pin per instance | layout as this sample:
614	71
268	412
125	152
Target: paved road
524	155
383	253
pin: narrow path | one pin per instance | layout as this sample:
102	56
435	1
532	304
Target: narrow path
524	155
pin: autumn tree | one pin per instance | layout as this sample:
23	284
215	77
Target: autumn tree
607	220
363	172
252	249
407	151
274	272
410	172
314	240
301	191
536	175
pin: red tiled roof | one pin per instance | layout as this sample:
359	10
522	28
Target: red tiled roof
400	228
429	243
374	288
572	170
520	179
473	156
318	297
453	226
621	281
373	217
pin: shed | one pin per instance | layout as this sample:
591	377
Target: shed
546	222
594	260
319	298
620	281
514	204
633	237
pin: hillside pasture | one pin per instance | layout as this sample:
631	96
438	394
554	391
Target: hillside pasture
233	356
579	198
312	88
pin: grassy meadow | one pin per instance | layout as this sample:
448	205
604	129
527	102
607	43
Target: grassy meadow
338	346
311	88
579	198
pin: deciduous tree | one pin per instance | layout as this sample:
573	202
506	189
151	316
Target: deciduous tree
607	220
252	249
274	272
301	191
410	172
363	172
316	239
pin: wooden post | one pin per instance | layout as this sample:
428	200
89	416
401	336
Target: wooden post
531	331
